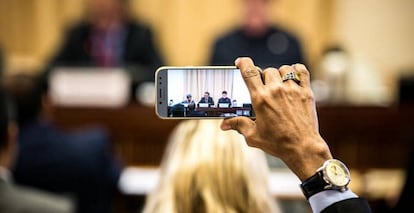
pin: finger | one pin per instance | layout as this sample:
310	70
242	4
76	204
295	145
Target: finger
271	76
250	73
285	69
303	75
240	124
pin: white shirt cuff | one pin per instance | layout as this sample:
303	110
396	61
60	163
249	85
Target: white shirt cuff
323	199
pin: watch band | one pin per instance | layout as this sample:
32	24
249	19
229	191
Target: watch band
332	175
313	184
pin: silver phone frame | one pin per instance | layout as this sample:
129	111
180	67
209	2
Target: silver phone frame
161	87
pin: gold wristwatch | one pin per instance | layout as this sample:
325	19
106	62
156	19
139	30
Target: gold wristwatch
333	175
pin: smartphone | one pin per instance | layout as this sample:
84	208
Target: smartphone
200	92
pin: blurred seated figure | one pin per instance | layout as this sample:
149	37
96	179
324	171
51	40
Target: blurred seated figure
206	99
186	108
15	198
208	170
79	163
177	110
224	99
234	104
257	38
110	38
189	103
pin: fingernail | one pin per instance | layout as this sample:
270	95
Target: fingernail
237	61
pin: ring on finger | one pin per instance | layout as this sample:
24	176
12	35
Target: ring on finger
291	76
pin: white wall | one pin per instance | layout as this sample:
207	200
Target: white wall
176	88
379	36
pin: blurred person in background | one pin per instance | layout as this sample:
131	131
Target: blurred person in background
16	198
257	37
110	38
201	173
78	163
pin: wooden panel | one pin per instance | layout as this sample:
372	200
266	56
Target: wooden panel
364	137
369	137
139	135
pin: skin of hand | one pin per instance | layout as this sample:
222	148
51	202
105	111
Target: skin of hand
286	123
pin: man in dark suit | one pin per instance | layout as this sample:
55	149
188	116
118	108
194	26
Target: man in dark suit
269	45
78	163
224	98
109	38
207	99
189	104
15	198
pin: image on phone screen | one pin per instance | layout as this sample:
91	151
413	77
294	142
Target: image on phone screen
201	92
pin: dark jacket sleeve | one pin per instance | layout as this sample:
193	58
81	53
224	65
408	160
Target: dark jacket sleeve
211	101
75	48
141	50
354	205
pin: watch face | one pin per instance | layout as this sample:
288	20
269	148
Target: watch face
337	173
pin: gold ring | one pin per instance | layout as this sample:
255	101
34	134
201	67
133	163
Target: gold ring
291	76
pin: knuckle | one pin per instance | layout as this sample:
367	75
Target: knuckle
307	96
285	67
300	68
269	69
260	97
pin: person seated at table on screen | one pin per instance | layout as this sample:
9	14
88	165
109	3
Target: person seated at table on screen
189	106
224	99
206	99
189	103
205	169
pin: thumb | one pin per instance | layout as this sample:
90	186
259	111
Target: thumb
240	124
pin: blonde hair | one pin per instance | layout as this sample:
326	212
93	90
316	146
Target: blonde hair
208	170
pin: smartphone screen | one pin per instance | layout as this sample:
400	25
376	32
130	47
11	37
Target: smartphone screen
201	92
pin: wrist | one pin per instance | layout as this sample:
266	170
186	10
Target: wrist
305	161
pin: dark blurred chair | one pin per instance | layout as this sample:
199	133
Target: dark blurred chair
178	110
406	89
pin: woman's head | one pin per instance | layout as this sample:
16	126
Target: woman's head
206	169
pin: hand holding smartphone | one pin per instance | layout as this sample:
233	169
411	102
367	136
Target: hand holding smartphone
200	92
